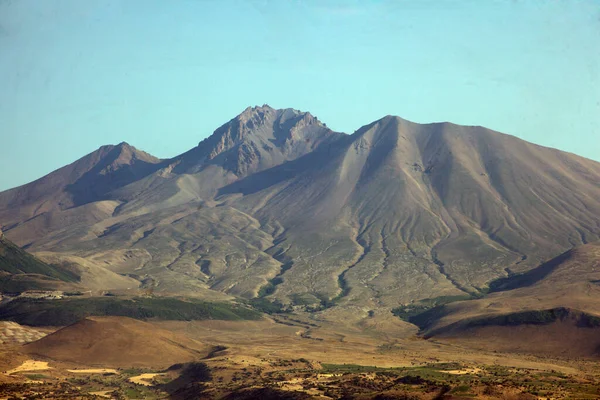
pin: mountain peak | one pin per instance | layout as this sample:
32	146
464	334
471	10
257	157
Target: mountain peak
257	109
124	145
260	137
123	153
393	118
260	122
260	113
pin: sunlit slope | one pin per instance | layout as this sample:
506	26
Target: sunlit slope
117	341
400	211
558	301
570	280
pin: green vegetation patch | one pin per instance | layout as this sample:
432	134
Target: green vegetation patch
304	299
36	377
538	317
15	260
271	285
588	321
24	282
40	312
351	368
533	317
409	375
268	306
409	311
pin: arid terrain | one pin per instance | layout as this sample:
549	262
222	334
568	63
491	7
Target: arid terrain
288	357
279	259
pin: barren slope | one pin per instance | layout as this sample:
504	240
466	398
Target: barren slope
257	139
73	195
401	211
559	301
117	342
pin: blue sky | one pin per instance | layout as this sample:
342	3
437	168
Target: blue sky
162	75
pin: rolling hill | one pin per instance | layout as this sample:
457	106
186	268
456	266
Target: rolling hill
274	204
551	309
117	341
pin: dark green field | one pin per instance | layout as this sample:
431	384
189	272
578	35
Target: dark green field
40	312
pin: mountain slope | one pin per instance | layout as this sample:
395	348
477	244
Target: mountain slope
439	208
14	260
76	193
20	270
558	300
257	139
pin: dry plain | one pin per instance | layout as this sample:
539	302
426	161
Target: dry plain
299	356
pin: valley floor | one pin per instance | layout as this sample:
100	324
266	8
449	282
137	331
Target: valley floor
296	357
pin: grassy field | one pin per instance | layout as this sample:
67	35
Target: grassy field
40	312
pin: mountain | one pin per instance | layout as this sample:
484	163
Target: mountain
76	193
401	211
21	271
257	139
276	205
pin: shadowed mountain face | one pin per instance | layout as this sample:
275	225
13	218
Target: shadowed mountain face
119	166
87	180
275	204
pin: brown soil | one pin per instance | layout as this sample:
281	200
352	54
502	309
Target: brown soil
559	339
119	342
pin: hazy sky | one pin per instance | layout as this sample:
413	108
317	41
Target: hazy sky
162	75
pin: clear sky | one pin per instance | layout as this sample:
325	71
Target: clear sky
162	75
